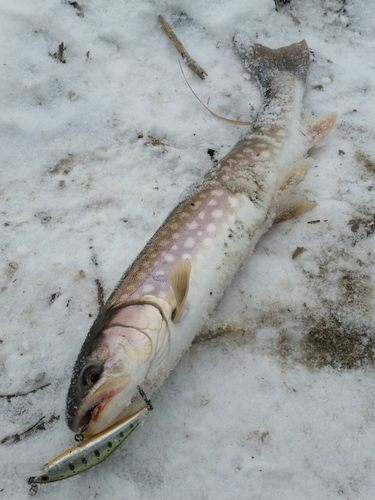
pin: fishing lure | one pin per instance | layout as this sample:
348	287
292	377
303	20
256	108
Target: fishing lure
89	453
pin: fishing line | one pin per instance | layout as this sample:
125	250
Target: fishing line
227	120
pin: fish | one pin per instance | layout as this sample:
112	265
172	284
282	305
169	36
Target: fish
166	296
83	457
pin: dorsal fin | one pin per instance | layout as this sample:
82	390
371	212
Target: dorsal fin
178	276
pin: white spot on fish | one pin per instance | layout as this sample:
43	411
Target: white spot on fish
199	233
247	150
265	154
189	243
193	225
202	215
233	202
218	193
174	248
148	288
207	241
169	257
211	228
175	236
212	202
281	133
217	213
186	256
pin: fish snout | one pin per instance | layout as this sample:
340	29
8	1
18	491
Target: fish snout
102	408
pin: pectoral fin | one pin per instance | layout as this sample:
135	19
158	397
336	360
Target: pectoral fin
292	205
178	276
319	127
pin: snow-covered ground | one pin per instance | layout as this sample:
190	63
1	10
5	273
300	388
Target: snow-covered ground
281	404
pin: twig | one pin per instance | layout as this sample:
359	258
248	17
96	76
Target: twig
100	294
297	252
39	426
181	49
155	142
60	55
295	19
10	396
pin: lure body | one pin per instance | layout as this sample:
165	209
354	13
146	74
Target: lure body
92	452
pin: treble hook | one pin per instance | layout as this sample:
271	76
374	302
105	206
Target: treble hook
33	486
149	405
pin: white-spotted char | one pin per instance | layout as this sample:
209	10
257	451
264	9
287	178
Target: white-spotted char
166	295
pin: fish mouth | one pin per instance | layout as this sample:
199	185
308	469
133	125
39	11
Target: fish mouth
85	417
90	413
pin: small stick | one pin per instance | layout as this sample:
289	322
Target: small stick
100	294
295	19
10	396
181	49
297	252
155	142
39	426
60	54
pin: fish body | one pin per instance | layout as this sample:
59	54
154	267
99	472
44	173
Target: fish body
92	452
167	294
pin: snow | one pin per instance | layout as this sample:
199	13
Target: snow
279	406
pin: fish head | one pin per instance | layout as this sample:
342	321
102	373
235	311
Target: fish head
114	360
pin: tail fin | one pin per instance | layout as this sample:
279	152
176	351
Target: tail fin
264	62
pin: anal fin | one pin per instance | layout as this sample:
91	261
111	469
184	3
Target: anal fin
178	276
292	205
296	175
319	127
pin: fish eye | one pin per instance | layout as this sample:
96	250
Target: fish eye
91	373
